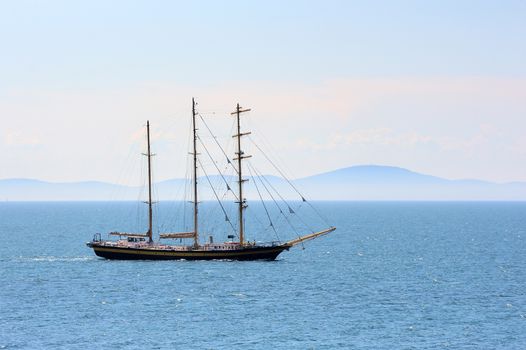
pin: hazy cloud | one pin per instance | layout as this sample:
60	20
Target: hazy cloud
17	138
448	127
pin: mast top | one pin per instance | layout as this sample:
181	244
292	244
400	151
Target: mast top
240	110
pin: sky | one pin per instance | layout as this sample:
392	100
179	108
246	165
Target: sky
438	87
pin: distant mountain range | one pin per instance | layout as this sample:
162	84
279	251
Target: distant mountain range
364	182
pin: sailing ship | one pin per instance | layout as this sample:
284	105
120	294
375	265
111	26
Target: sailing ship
141	246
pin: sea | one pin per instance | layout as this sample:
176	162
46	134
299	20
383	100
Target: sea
394	275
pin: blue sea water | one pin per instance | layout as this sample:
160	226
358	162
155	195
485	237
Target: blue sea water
395	275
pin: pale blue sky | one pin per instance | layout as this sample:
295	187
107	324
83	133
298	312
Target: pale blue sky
435	86
88	42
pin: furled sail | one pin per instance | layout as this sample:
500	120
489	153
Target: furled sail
177	235
127	234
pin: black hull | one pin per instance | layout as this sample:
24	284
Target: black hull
245	254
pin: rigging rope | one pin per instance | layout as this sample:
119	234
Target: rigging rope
217	198
217	168
217	142
291	211
278	169
274	200
263	202
289	182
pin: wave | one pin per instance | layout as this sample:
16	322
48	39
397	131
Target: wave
47	258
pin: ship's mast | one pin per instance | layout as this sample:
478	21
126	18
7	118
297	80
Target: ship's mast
240	181
196	234
150	223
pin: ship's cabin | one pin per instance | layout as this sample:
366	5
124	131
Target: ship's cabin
136	239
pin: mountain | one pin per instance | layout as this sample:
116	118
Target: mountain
364	182
374	182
